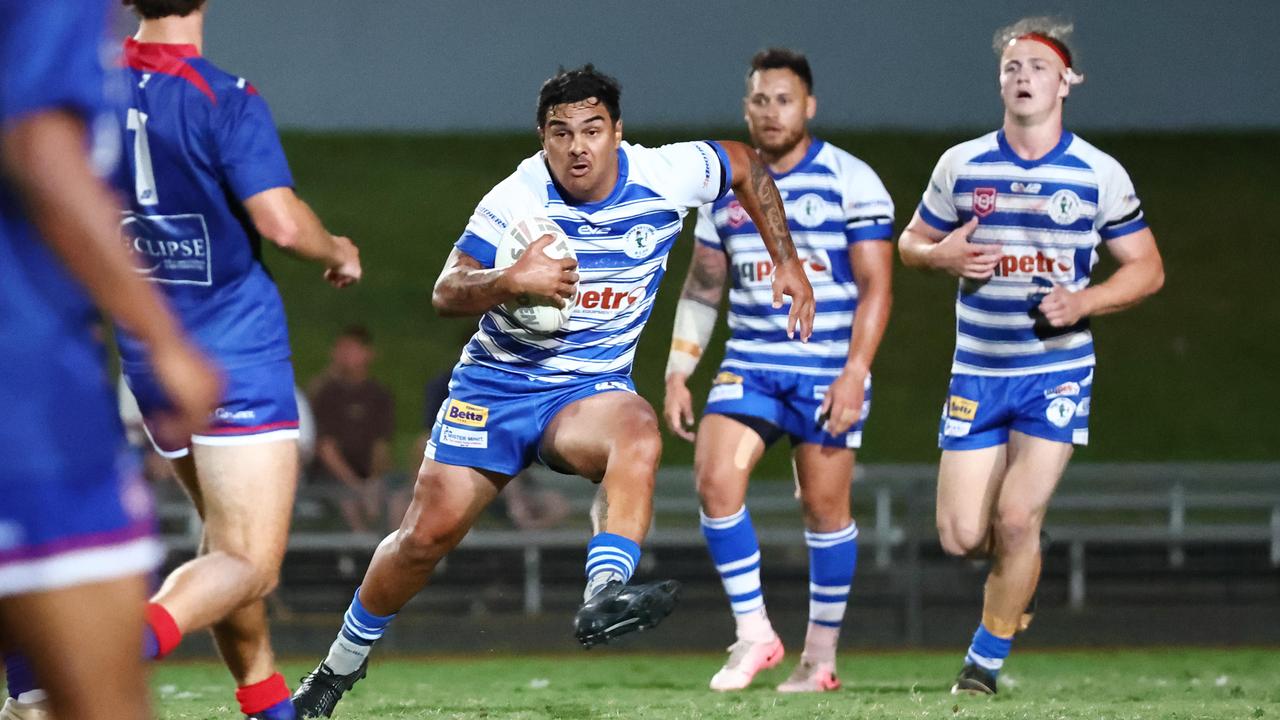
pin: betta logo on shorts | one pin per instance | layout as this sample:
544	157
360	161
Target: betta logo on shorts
962	408
984	201
464	413
727	378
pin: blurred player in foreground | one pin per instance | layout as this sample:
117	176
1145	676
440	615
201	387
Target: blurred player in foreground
76	526
1018	215
564	399
208	180
817	395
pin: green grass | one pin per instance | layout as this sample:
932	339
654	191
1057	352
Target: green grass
1097	685
1186	376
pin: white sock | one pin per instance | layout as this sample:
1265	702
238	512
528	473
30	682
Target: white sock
598	581
754	626
820	643
345	656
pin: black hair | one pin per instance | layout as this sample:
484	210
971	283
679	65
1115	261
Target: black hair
782	58
577	85
155	9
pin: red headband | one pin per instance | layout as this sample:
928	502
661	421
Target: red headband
1050	43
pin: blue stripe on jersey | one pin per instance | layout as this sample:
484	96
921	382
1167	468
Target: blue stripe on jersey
936	222
988	333
472	245
1042	188
1081	356
1003	306
798	363
823	307
1035	221
780	336
1111	232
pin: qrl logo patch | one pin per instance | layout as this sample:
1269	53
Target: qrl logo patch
962	408
463	413
984	201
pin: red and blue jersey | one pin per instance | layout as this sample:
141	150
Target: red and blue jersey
199	142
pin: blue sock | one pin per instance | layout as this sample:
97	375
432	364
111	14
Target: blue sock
988	651
609	557
282	710
18	675
736	553
833	557
360	630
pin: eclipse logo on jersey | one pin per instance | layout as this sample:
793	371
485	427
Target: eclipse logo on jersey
170	249
464	413
1038	264
984	201
608	300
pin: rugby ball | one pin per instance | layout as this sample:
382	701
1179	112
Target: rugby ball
533	313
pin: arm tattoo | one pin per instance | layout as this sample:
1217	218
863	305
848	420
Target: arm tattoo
776	236
705	283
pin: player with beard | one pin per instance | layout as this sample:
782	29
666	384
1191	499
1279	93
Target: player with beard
841	218
1017	215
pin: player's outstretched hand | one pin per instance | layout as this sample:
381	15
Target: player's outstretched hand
790	280
842	406
1062	307
677	407
193	386
539	274
348	270
956	255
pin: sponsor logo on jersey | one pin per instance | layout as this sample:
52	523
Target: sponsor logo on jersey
609	299
956	428
1021	187
1034	264
226	415
1066	389
984	201
476	439
737	214
169	249
640	241
1064	207
611	385
962	408
760	272
1060	411
585	229
727	378
464	413
809	210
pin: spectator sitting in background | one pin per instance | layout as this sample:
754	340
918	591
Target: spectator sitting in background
354	425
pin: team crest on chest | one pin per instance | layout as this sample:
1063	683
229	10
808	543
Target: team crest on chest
984	201
809	210
639	241
1064	207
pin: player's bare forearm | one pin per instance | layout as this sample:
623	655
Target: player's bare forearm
704	283
1140	275
916	242
755	189
873	271
80	220
466	287
290	224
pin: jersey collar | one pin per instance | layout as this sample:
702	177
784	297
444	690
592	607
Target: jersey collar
1013	157
815	147
156	53
590	207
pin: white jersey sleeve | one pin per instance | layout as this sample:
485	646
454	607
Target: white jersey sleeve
868	209
937	206
513	199
687	174
1119	210
704	230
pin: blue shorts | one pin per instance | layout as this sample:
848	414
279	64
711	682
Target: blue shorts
981	410
494	420
63	529
789	402
258	405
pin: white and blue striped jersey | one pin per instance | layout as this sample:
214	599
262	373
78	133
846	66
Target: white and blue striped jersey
1049	215
621	242
833	200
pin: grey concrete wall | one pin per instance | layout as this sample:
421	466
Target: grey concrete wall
459	65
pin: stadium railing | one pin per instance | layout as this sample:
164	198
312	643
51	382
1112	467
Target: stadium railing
1169	505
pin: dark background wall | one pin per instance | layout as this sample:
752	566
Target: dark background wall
464	65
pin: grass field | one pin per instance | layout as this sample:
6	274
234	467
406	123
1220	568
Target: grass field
1097	685
1186	376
